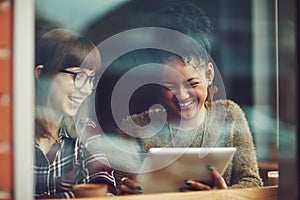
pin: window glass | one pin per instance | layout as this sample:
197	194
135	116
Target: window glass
243	48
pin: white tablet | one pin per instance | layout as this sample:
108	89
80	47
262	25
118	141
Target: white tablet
166	169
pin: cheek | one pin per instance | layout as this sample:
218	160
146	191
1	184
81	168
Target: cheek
167	96
201	92
60	91
57	94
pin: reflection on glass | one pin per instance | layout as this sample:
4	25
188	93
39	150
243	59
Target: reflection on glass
242	47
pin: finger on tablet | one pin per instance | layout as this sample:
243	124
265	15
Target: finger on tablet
219	182
124	189
195	185
131	186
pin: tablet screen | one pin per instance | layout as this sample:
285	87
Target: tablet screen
166	169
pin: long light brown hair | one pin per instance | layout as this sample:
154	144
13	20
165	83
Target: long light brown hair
56	50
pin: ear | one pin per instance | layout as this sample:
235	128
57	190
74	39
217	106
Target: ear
210	73
37	71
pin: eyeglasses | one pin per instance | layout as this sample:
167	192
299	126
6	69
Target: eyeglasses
81	78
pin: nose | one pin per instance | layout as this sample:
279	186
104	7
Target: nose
182	93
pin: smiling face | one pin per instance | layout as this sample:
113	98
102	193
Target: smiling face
184	89
64	98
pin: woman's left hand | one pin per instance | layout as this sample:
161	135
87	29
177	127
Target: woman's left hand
219	183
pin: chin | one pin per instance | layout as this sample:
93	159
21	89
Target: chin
70	113
188	115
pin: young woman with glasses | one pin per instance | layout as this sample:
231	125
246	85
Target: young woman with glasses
65	72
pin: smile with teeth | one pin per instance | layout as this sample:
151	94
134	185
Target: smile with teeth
76	100
186	103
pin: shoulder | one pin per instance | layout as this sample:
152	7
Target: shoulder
224	103
146	117
144	124
228	108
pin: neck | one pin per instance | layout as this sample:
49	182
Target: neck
187	124
52	120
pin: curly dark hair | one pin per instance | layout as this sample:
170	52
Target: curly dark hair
186	16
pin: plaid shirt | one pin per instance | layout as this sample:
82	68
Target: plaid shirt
72	161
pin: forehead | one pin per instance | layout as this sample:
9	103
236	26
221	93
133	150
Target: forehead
176	70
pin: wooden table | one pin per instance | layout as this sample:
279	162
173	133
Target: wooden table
265	193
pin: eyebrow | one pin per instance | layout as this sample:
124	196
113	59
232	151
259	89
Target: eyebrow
190	79
81	70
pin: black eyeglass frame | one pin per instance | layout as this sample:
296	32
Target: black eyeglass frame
90	78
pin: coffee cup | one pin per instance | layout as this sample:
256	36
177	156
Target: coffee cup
273	177
90	190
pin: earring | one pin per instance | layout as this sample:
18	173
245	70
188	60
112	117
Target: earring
212	90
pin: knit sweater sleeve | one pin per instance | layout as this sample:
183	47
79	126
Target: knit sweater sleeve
245	171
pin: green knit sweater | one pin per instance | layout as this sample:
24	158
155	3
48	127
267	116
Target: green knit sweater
225	125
